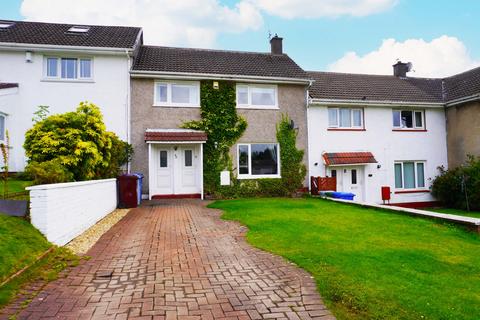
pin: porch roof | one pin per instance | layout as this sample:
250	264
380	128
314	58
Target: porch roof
346	158
175	135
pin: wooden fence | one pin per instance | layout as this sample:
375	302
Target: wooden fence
323	184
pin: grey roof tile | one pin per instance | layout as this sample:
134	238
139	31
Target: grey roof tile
462	85
41	33
203	61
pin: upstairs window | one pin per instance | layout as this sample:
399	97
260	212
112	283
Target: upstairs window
257	96
408	119
345	118
68	68
177	94
2	128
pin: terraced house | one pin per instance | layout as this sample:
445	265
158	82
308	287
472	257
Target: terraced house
166	93
367	131
60	65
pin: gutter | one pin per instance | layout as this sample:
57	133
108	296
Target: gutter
48	47
375	103
214	76
463	100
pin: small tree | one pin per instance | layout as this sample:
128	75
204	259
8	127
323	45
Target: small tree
4	147
77	141
293	170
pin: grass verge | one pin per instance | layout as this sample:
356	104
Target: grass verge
368	263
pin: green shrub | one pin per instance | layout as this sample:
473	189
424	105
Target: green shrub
453	187
24	176
46	172
79	142
250	188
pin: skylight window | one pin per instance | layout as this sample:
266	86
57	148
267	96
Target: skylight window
5	24
79	29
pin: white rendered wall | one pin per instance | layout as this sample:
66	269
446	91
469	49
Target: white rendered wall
62	211
109	90
386	145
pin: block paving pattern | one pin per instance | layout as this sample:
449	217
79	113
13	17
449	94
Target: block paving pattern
179	260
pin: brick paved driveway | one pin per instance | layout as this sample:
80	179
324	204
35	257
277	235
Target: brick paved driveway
178	260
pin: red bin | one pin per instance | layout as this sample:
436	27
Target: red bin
386	193
127	191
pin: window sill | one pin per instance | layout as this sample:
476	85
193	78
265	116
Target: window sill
175	106
346	129
259	107
409	130
68	80
412	191
252	177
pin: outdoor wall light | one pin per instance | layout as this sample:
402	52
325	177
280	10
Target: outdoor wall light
379	166
216	85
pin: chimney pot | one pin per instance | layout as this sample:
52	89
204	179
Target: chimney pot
400	69
276	45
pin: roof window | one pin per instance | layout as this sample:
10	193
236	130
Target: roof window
5	24
79	29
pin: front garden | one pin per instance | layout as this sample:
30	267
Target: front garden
369	264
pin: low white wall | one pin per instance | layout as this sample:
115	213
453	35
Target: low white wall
62	211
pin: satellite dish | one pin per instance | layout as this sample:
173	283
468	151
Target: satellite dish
409	67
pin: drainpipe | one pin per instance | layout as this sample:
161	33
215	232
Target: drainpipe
307	98
127	104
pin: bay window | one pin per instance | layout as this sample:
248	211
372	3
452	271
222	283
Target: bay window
408	119
345	118
410	175
257	96
68	68
258	160
177	94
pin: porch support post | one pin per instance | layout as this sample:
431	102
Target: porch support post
150	171
201	170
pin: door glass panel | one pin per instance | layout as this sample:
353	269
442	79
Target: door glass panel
188	158
354	176
163	159
398	175
333	173
409	175
420	175
243	159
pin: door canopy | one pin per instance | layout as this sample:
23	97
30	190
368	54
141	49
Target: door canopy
348	158
175	135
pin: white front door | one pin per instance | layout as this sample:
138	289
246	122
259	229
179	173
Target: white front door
176	169
353	181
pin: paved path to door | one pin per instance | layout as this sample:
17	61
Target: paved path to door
179	260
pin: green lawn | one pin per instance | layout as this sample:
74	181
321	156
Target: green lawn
20	244
15	185
369	264
458	212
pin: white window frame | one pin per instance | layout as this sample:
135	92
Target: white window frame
4	127
337	126
414	122
415	162
58	77
169	102
249	87
256	176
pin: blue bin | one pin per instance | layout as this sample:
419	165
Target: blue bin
343	195
139	186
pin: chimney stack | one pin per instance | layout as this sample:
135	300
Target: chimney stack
276	45
400	69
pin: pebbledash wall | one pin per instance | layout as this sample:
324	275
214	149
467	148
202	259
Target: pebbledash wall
386	145
109	89
261	122
62	211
